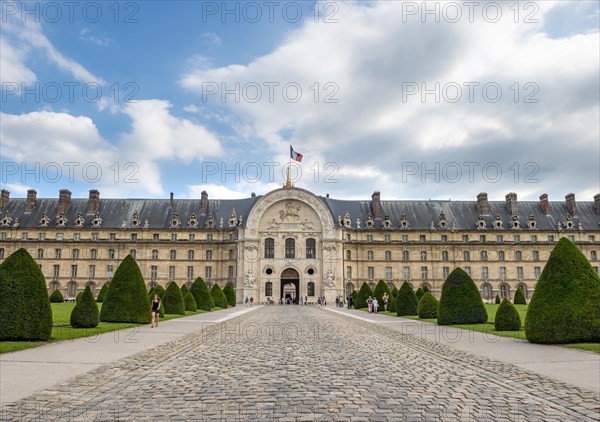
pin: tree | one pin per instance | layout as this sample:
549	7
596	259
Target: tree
425	289
460	302
25	311
190	302
126	299
160	291
565	305
363	294
419	294
57	297
102	293
380	289
183	290
507	317
393	295
173	300
406	301
428	306
218	296
229	294
519	298
85	314
497	300
202	296
354	295
151	293
78	297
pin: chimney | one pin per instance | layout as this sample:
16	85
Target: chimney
544	204
571	206
203	203
483	204
376	204
597	202
93	202
511	203
4	198
31	200
64	200
171	202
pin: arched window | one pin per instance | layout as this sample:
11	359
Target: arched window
523	288
310	288
269	248
391	286
311	249
349	289
268	288
92	287
504	292
54	286
290	248
486	291
72	289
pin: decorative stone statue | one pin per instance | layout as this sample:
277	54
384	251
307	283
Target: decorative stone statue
329	279
249	280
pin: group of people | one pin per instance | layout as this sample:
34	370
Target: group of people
339	301
373	303
322	301
249	300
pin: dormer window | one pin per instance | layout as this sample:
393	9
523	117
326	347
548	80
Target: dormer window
210	221
135	221
232	218
480	223
347	220
62	221
97	221
531	222
387	223
498	224
404	222
514	223
369	222
175	222
79	221
193	222
6	220
44	221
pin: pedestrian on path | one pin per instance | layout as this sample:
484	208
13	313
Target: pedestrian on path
375	305
155	311
305	300
246	301
370	304
385	301
251	300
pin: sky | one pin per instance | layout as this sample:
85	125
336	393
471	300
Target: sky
418	100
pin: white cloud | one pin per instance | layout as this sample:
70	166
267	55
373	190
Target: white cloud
12	66
86	35
371	55
212	39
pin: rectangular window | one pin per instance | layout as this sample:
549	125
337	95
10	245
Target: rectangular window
550	238
369	238
172	254
592	238
571	238
57	253
534	238
406	273
156	237
60	236
466	256
40	254
537	271
499	238
348	272
517	238
41	236
422	238
111	254
484	273
405	238
230	273
388	273
3	236
369	255
290	248
56	272
209	237
424	274
209	255
24	236
468	270
371	273
95	236
536	255
593	256
192	237
93	254
444	238
500	255
133	253
190	273
77	236
190	255
75	254
171	272
154	254
92	271
134	237
388	255
423	256
518	256
520	273
269	248
444	255
387	238
208	272
112	236
73	272
445	272
484	255
311	249
502	273
405	256
231	254
174	237
153	272
465	238
482	238
109	271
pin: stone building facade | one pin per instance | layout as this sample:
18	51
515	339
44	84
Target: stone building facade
291	242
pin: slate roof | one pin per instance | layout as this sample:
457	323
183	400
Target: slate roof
461	215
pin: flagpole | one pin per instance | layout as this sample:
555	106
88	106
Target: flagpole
288	183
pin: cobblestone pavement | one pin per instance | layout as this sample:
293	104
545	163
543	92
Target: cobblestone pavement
295	363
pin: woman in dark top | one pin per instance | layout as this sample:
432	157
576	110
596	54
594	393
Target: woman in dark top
155	311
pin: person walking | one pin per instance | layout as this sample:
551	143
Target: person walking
370	304
385	301
375	305
251	300
305	300
246	301
155	311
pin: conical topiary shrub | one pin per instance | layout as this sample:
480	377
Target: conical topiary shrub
354	295
25	311
202	296
85	313
218	296
419	294
565	305
126	299
78	297
362	296
428	306
102	293
151	293
229	294
160	291
173	300
519	298
406	301
497	300
393	295
461	302
190	302
57	297
507	317
183	290
380	289
425	289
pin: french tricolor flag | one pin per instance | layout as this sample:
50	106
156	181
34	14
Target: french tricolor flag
295	155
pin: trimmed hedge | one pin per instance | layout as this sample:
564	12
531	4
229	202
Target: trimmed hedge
190	302
25	311
419	294
160	291
497	300
218	296
354	295
202	296
183	290
507	317
78	297
57	297
519	298
428	306
102	293
425	289
173	300
392	305
565	305
378	293
406	301
85	314
362	296
229	294
126	299
461	302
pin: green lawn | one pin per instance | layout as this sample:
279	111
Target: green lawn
489	327
62	330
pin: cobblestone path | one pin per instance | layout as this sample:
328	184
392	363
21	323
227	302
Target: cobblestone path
296	363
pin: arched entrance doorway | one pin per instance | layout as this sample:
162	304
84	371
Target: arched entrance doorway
290	286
